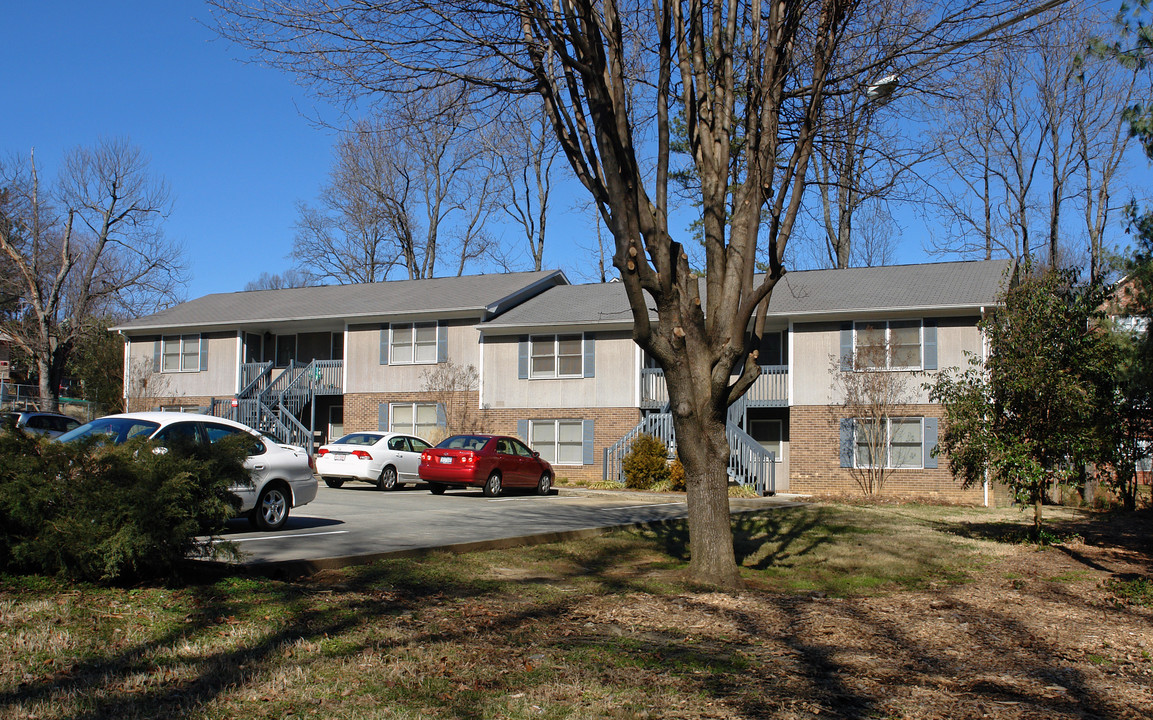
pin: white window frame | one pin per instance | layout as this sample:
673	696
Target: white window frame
553	454
412	345
180	353
861	326
859	423
555	354
412	428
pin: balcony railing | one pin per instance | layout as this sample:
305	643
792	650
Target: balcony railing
770	390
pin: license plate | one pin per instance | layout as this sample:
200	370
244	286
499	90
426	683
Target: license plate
446	459
338	456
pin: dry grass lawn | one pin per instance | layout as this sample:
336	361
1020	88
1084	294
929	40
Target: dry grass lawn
899	611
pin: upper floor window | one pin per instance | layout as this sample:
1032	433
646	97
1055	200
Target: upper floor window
556	356
887	345
413	343
180	353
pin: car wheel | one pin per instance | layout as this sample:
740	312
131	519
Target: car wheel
387	479
333	482
544	485
271	511
437	488
492	485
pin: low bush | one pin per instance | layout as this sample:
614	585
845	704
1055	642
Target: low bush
646	463
112	513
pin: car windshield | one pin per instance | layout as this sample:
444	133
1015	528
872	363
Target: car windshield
464	442
113	429
359	439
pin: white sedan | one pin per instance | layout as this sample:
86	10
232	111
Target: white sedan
384	459
282	475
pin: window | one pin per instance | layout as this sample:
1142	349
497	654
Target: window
890	443
413	343
892	345
556	356
416	418
561	442
180	353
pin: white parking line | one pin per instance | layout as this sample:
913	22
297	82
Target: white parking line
282	537
535	498
649	505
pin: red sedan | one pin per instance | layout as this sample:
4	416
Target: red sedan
492	462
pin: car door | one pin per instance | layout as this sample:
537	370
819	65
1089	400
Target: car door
400	456
511	463
415	447
258	470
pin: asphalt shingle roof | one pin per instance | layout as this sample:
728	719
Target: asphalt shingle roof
436	296
953	285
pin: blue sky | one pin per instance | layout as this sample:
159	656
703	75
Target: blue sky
233	140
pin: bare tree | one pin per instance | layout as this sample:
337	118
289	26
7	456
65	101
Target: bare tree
749	78
290	278
88	247
399	189
1037	136
449	384
872	397
526	151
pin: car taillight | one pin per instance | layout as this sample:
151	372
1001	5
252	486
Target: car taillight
322	451
361	454
469	458
312	462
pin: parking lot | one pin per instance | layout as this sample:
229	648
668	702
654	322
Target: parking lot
358	523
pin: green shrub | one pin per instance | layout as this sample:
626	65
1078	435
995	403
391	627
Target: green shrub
112	513
676	476
646	463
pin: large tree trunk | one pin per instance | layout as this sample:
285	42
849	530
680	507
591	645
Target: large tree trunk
704	453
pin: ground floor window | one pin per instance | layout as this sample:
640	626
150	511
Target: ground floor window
889	443
419	419
561	442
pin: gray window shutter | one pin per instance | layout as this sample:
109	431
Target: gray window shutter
930	342
589	457
203	353
930	443
847	347
522	430
382	417
156	355
441	343
522	359
590	355
846	442
441	416
384	344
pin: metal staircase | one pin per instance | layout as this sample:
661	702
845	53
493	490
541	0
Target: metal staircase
272	405
749	463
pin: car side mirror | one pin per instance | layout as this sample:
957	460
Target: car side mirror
535	454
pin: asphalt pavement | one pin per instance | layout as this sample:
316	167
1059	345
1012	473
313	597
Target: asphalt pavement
358	523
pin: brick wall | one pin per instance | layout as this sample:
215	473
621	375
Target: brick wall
815	441
143	404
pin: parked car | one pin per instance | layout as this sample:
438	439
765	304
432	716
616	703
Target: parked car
491	462
282	475
387	460
43	423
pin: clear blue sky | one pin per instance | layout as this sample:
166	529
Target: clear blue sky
233	140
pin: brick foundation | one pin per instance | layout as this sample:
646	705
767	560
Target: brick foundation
816	465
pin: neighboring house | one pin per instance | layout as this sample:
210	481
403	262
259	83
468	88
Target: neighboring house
557	366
